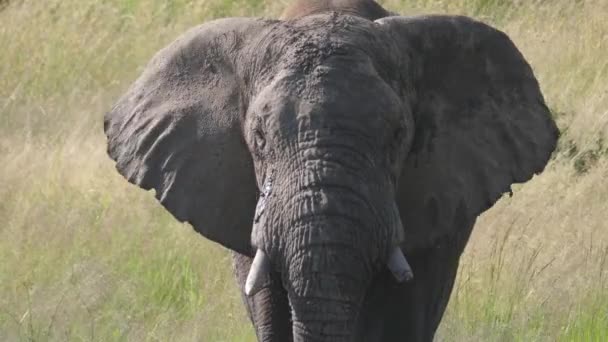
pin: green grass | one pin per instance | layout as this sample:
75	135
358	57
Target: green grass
84	256
81	267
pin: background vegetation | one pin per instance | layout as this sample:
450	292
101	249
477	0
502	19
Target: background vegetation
84	256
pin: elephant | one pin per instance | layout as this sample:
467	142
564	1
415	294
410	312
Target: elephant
341	152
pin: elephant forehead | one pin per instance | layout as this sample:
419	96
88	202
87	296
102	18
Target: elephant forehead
310	41
326	70
336	106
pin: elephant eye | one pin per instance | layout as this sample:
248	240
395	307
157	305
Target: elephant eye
259	140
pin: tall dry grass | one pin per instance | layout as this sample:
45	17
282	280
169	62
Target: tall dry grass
85	256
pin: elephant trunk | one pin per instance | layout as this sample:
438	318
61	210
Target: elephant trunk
328	283
330	264
329	230
337	322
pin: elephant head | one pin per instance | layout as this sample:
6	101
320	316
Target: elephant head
327	143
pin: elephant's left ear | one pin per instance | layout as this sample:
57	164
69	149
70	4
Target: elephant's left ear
481	123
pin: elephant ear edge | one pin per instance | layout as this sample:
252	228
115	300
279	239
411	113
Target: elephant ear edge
481	123
177	131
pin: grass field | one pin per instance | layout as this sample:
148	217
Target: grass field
84	256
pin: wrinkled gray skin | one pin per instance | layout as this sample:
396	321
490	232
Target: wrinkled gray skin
356	134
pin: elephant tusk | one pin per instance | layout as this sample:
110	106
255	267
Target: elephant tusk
399	266
258	274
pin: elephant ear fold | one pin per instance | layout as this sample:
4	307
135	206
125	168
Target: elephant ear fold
481	123
177	131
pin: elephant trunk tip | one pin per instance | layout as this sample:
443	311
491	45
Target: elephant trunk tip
399	267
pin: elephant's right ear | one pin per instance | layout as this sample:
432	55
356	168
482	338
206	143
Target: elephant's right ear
481	123
177	130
